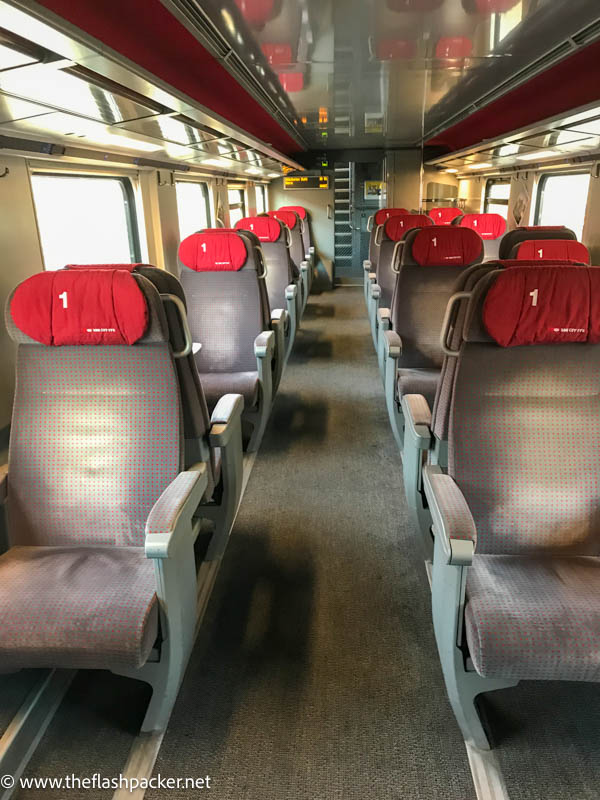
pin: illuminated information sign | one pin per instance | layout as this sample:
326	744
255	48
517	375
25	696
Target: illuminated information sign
306	182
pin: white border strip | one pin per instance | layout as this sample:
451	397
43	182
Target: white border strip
487	775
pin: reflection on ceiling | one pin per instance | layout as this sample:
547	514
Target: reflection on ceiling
568	139
337	73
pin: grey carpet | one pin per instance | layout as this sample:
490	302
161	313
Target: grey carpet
316	673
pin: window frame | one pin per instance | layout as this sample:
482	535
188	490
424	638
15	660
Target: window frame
243	200
129	202
487	200
262	189
541	185
205	196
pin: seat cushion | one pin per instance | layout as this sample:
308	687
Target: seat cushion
418	381
216	384
532	618
76	607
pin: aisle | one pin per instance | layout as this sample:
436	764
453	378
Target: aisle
316	674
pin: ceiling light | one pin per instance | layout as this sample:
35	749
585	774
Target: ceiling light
536	155
452	170
254	171
273	175
479	166
216	162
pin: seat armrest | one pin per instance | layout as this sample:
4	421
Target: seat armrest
278	315
373	277
452	519
291	290
171	516
228	409
264	344
392	344
367	266
3	483
416	410
384	314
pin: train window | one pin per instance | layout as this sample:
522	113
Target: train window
237	205
193	207
85	220
261	199
562	200
497	193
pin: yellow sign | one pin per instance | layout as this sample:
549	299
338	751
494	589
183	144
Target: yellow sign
306	182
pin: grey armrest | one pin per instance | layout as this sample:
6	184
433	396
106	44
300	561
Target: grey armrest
417	419
291	290
393	344
384	315
3	483
373	277
264	344
452	519
228	409
367	266
171	516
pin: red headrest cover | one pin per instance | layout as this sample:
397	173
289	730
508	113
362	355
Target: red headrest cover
124	267
453	47
384	214
441	244
256	12
444	216
540	305
397	227
213	252
267	229
277	53
555	249
300	210
488	226
81	307
288	218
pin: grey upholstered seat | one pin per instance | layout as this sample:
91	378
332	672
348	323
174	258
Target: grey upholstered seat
228	310
394	233
88	607
517	517
432	259
294	224
305	226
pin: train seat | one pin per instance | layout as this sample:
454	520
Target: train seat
375	227
241	344
306	229
490	227
530	233
393	232
410	354
445	215
99	511
281	282
296	246
515	524
555	249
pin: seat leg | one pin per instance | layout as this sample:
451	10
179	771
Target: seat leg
448	602
395	414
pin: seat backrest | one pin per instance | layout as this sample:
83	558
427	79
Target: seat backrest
490	227
531	233
431	261
273	238
196	419
392	236
444	215
555	249
294	224
378	220
257	12
305	225
96	432
223	280
526	385
466	281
